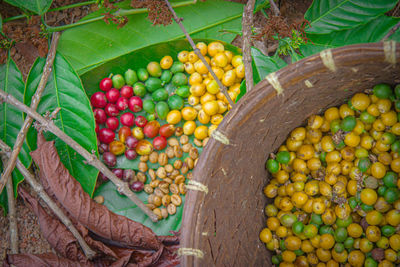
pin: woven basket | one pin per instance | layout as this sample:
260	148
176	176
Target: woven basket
221	227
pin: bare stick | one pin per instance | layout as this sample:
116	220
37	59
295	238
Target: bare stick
198	53
48	125
38	188
392	30
274	8
12	213
246	28
34	104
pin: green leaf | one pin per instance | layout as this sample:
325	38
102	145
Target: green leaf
1	23
90	45
264	65
326	16
260	4
371	32
38	6
11	120
64	90
123	206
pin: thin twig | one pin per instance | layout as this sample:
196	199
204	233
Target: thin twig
38	188
198	53
28	120
274	8
246	27
12	213
48	125
392	30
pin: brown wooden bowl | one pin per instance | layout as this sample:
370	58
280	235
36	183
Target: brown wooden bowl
221	227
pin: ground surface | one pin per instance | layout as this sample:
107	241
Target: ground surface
29	45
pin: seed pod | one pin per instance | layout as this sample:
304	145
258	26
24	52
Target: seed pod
99	199
168	180
178	151
141	177
143	166
173	142
150	199
144	158
184	168
163	184
197	142
164	213
153	157
205	140
154	183
189	176
178	164
168	168
190	163
171	209
184	139
165	190
161	173
178	131
152	174
186	147
179	179
151	206
170	152
148	189
162	159
157	212
194	153
166	199
174	173
182	188
158	192
174	189
176	200
157	200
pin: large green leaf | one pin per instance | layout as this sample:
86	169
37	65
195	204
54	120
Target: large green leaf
332	15
38	6
264	65
123	206
11	120
371	32
64	90
92	44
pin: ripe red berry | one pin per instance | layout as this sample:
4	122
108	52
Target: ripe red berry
100	115
111	110
140	121
130	154
135	104
137	186
109	159
127	119
131	142
159	143
122	103
119	173
112	123
106	135
106	84
112	95
98	100
126	91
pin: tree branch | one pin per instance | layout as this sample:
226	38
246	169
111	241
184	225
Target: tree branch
390	33
38	188
274	8
197	51
246	41
34	104
91	159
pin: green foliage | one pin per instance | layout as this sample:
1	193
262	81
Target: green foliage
11	120
326	16
90	45
64	90
260	4
123	206
37	6
263	65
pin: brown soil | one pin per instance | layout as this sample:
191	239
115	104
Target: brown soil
29	44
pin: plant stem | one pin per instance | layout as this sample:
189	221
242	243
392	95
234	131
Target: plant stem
34	104
72	6
12	213
38	188
120	12
274	8
91	159
197	51
246	41
390	33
